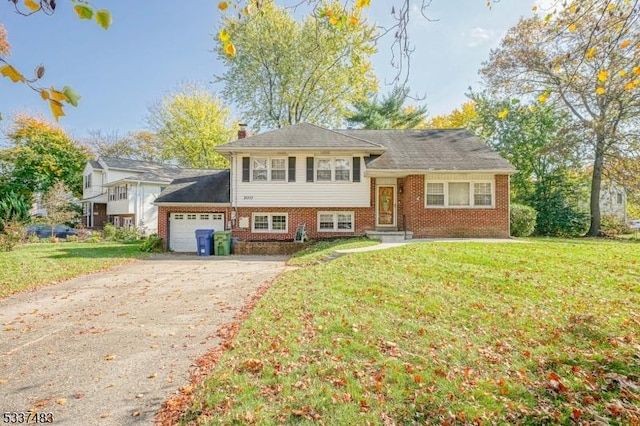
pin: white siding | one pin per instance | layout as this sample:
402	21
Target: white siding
299	193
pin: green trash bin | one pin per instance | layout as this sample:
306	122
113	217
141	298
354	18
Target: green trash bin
222	243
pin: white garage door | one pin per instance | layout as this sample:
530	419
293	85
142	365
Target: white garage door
182	229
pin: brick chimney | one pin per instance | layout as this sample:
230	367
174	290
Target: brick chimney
242	131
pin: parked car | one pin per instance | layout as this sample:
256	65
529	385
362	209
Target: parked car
634	224
44	231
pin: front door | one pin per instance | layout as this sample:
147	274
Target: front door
386	205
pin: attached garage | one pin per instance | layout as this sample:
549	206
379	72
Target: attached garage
182	229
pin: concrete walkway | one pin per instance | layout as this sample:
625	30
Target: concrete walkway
384	246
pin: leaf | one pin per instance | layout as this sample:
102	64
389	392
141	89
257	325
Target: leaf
109	357
224	35
600	91
503	114
591	53
72	95
32	5
103	18
230	49
57	95
61	401
56	109
354	20
39	71
603	75
9	71
543	98
572	28
223	5
83	11
629	86
622	73
625	44
363	3
44	94
334	20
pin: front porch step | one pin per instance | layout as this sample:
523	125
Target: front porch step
389	236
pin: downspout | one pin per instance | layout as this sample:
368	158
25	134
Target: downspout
234	192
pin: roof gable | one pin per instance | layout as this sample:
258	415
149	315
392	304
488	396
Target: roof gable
127	164
197	186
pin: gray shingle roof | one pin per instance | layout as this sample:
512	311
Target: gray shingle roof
95	165
136	165
197	186
431	149
158	176
300	136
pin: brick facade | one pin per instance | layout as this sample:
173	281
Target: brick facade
423	222
448	222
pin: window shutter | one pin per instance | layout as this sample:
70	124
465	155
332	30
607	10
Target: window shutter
356	169
246	172
309	169
292	169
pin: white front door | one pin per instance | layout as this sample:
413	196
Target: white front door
183	226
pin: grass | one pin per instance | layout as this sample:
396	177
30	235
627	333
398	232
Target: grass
30	266
319	250
455	333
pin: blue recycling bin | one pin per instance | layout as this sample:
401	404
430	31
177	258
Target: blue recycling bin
204	241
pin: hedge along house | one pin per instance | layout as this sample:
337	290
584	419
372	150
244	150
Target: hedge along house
382	183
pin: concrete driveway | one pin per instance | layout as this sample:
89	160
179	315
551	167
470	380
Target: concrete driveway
109	348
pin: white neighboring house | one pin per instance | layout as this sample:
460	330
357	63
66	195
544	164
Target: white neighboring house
122	191
613	201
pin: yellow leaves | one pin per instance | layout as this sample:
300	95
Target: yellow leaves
503	114
543	97
636	70
58	96
625	44
622	73
223	5
333	20
629	86
12	73
354	20
224	35
44	94
572	28
230	49
600	90
32	5
603	75
591	52
362	3
56	109
611	7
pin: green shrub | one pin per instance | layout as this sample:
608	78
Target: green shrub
611	226
523	220
152	244
33	238
109	232
94	238
127	234
73	239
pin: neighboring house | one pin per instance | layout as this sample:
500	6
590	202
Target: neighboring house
613	201
122	191
413	183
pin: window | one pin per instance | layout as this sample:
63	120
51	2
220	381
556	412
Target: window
270	222
482	194
268	169
112	194
324	171
192	216
278	169
204	217
335	221
127	222
116	221
459	194
217	216
620	197
119	193
178	217
435	194
87	181
333	170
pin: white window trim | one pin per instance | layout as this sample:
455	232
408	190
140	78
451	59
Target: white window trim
270	216
335	221
471	194
269	159
333	170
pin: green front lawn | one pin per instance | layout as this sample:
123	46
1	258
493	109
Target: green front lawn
31	266
318	251
457	333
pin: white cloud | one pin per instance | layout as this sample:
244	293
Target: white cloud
478	36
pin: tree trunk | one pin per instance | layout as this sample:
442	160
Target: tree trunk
596	180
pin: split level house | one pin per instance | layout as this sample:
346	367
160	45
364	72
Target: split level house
122	191
336	183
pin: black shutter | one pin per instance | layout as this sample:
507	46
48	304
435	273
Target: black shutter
292	169
356	169
246	172
309	169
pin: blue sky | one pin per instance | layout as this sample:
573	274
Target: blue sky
154	45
